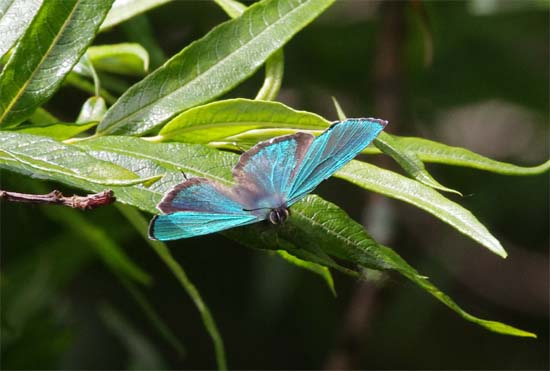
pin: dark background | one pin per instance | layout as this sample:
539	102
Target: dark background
484	88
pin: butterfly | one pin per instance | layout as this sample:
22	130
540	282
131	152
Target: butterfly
269	178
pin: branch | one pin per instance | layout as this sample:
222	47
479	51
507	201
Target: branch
56	198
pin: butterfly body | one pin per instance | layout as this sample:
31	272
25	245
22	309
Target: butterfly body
269	178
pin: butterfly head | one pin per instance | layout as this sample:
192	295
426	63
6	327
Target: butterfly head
278	215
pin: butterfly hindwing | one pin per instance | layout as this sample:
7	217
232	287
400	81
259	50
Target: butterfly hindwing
265	173
185	224
198	206
331	150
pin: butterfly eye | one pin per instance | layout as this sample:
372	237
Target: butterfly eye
279	215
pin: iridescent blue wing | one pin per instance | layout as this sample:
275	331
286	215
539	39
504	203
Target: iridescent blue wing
265	173
198	206
331	150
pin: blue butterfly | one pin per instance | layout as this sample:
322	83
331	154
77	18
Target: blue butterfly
269	177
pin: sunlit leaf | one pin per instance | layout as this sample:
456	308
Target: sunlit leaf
46	53
123	10
408	161
44	157
92	110
430	151
316	227
59	131
219	120
124	58
399	187
320	227
15	16
210	66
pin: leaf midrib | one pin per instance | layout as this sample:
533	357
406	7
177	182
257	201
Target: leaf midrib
44	57
115	124
157	160
434	208
276	125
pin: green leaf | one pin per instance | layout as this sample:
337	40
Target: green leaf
274	71
85	67
231	7
92	110
408	161
15	16
399	187
171	160
322	271
219	120
308	234
210	66
75	80
51	46
123	10
332	232
44	157
59	131
274	66
43	117
125	58
430	151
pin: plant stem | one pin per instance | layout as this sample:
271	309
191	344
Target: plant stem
55	197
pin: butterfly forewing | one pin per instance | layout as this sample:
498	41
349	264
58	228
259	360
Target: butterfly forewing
330	151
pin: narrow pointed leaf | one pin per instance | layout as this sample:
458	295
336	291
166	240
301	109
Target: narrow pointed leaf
46	53
47	158
210	66
322	271
92	110
309	232
430	151
43	117
219	120
274	66
331	231
397	186
123	10
59	131
123	58
408	161
15	16
231	7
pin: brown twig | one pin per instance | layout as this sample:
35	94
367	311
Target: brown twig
55	197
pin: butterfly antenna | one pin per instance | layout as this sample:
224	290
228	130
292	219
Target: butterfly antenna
184	175
260	208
